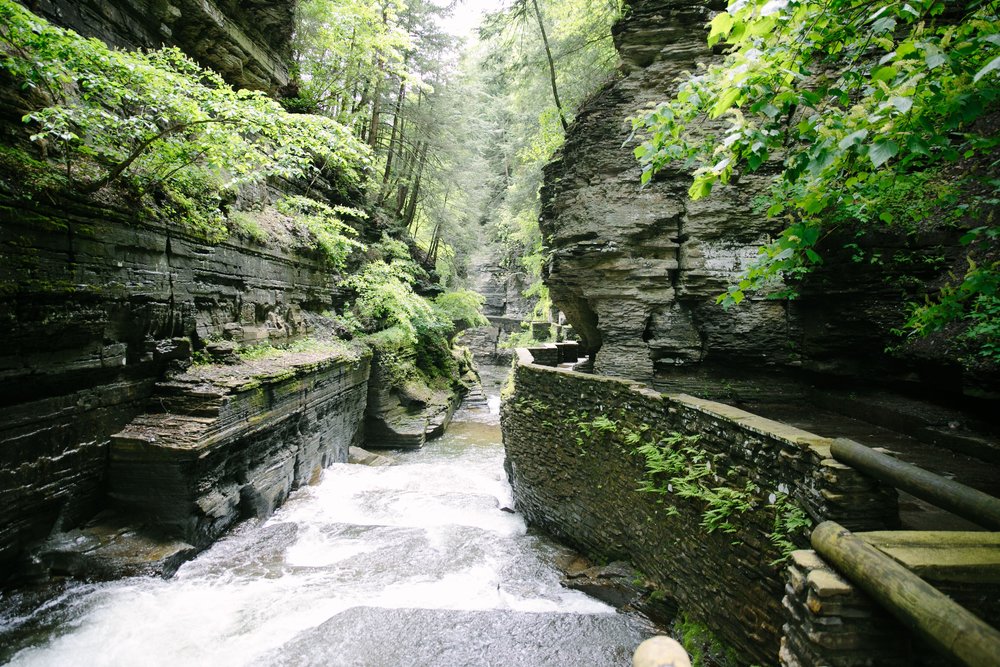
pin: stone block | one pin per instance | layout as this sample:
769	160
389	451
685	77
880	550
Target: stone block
235	440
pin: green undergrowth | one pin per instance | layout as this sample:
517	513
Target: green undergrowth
351	351
526	337
868	118
703	647
156	132
344	350
333	237
410	332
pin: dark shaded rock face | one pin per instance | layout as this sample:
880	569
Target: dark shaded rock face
407	417
637	271
247	42
625	260
223	443
94	307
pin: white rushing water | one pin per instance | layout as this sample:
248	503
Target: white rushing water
345	573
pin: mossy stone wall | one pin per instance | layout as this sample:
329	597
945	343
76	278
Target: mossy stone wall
585	492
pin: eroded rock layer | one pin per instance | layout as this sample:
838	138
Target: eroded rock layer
221	443
637	270
95	306
247	42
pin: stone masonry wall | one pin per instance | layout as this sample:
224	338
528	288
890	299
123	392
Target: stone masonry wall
93	308
585	492
831	622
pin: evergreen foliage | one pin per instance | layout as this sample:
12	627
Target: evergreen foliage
524	117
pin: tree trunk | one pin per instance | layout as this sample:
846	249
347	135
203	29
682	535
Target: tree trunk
373	125
407	180
411	208
396	132
552	66
435	245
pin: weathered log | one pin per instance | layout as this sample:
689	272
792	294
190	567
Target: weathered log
976	506
918	605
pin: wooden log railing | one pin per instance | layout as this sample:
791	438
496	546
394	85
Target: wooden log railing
918	605
976	506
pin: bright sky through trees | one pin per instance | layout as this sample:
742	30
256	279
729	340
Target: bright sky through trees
467	14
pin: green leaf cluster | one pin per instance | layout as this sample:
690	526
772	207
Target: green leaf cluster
853	104
790	521
676	466
463	307
160	123
334	237
386	299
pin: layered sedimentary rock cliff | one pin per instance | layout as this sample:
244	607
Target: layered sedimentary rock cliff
220	443
107	299
637	270
248	43
96	306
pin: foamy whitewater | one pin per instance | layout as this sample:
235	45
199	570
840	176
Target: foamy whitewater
413	564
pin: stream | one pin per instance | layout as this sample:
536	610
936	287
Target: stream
411	564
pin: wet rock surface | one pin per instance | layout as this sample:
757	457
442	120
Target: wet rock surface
363	457
404	417
454	638
110	547
226	442
618	584
396	566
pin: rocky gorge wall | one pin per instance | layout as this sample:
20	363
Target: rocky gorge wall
221	443
95	307
572	439
120	384
637	270
248	43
